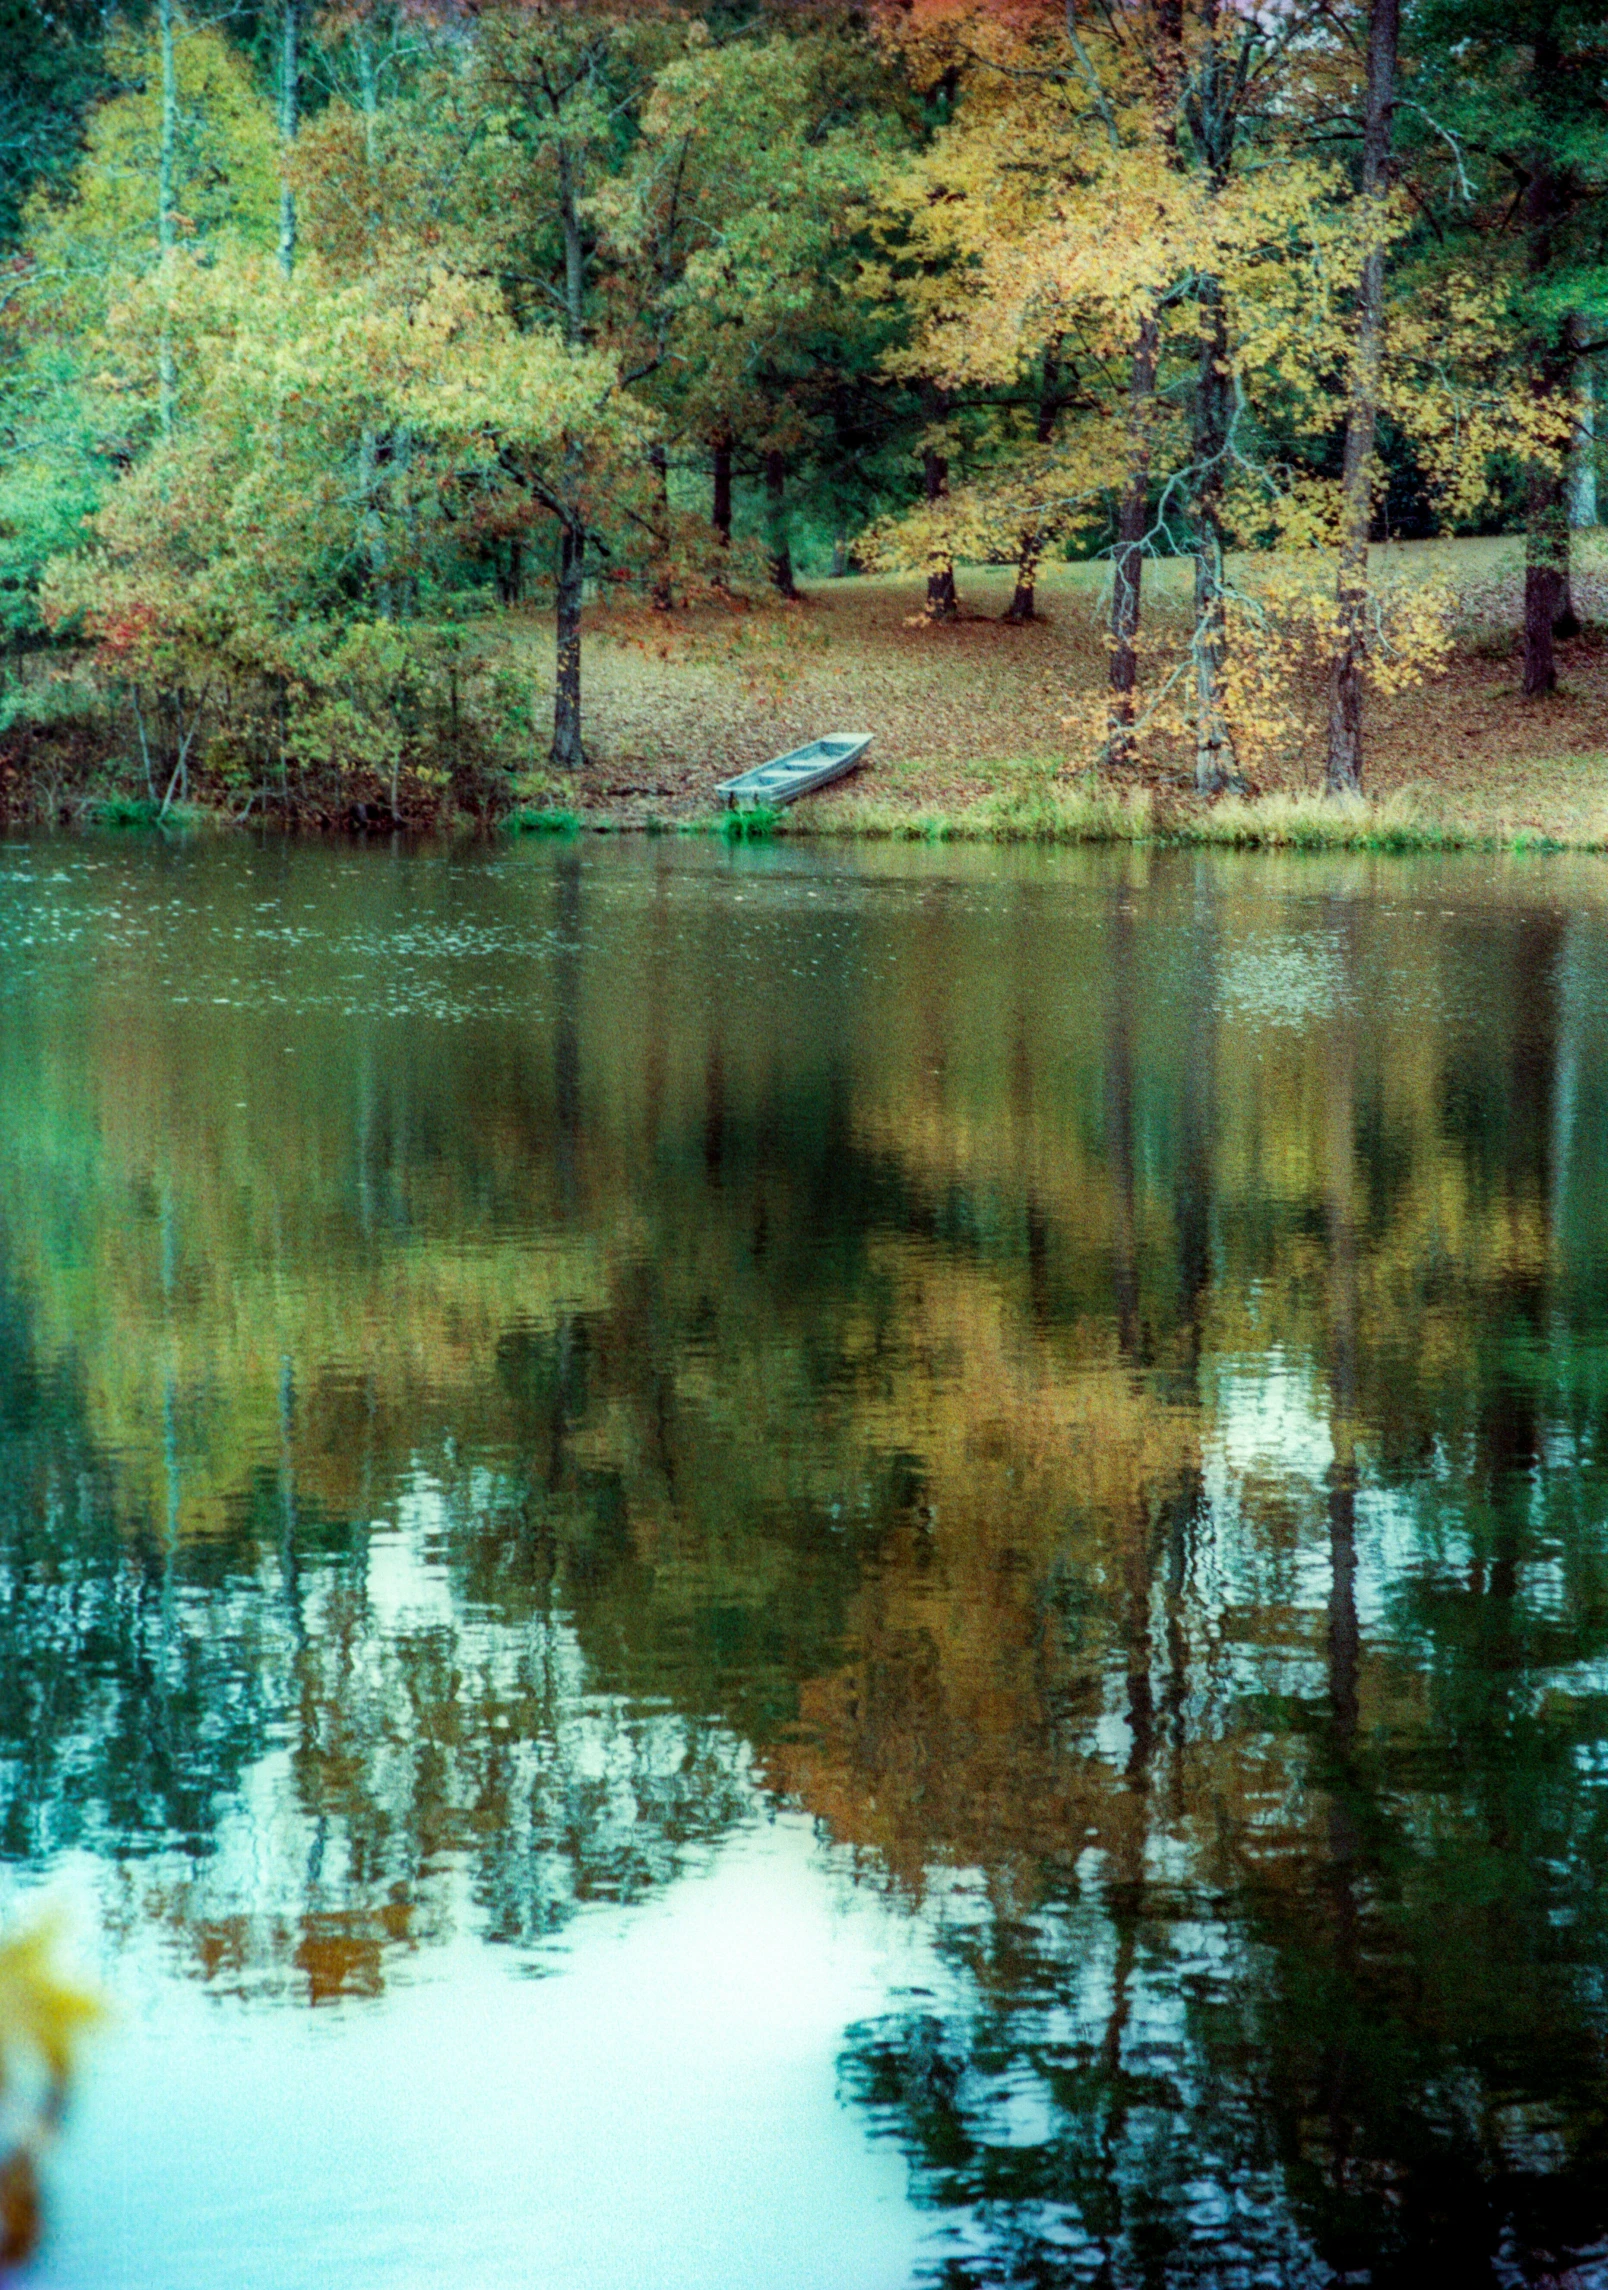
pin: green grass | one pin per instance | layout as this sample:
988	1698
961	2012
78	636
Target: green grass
755	825
542	819
1321	823
123	811
1028	806
1325	823
874	818
1031	807
1044	813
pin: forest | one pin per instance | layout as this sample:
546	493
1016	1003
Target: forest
362	367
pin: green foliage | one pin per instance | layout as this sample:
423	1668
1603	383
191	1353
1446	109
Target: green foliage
531	819
87	245
1036	809
53	70
730	234
757	824
44	702
66	425
302	603
1033	803
54	473
121	810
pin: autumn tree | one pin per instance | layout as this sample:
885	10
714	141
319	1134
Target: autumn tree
183	154
488	158
1237	81
1343	774
1220	292
215	564
728	243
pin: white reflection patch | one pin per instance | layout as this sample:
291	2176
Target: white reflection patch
1286	981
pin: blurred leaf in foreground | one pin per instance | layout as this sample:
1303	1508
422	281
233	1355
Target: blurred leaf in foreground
44	2016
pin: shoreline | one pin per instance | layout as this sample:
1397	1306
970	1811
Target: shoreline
974	725
1079	819
1101	815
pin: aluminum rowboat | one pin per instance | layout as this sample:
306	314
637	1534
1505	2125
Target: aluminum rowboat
799	772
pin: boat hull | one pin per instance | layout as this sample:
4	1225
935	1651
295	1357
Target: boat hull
799	772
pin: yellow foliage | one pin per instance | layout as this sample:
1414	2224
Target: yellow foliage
1049	221
216	556
44	2018
1457	389
43	2013
226	175
1282	623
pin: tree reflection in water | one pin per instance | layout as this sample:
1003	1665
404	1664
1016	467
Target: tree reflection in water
1086	1375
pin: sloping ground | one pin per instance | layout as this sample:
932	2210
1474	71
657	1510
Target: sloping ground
675	704
976	724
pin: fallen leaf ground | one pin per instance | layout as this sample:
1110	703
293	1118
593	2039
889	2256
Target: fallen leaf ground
676	702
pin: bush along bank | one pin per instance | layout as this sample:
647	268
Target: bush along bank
419	734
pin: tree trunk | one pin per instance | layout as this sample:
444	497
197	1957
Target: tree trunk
720	509
289	92
168	147
1580	482
405	521
663	592
369	94
511	576
567	753
781	552
166	219
1211	96
1583	449
720	515
1024	597
1546	575
375	547
941	600
1343	769
1546	523
1133	522
1030	548
942	603
1214	747
1133	514
368	451
569	211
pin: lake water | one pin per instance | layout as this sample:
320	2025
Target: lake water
785	1569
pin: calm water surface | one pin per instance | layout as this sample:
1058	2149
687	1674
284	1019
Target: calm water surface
839	1570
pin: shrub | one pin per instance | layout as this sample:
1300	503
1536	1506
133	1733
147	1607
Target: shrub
756	825
530	819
